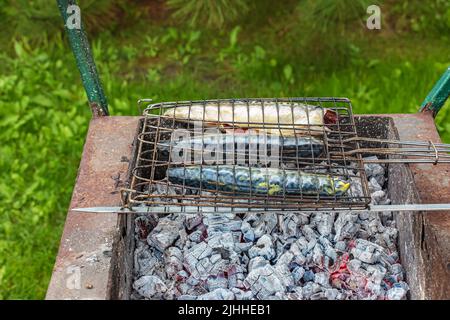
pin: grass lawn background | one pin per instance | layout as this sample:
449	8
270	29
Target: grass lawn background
268	52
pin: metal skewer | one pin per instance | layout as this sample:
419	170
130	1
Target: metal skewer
195	209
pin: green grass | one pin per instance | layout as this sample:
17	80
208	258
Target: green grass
44	114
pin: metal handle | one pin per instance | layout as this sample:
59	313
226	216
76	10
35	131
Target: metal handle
438	95
85	62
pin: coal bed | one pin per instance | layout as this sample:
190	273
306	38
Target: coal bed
289	255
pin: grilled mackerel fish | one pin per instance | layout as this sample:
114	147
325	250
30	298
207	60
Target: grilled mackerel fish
258	181
228	144
278	119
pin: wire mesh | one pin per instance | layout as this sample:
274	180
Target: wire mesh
269	154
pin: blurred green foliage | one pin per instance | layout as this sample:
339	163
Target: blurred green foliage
44	114
213	13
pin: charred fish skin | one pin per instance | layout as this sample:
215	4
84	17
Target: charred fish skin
259	181
303	147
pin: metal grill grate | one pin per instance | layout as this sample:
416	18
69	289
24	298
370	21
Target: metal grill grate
327	120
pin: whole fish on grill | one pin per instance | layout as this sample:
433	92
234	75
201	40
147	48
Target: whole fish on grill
258	181
243	144
278	118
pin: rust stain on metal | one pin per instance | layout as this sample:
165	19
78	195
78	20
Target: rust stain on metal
96	110
88	238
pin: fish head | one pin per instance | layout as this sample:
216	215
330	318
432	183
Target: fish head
340	186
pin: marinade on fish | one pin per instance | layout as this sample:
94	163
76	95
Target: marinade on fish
225	144
258	181
278	119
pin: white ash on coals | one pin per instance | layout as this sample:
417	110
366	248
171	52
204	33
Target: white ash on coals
224	256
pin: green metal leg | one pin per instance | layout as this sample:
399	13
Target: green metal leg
438	95
85	62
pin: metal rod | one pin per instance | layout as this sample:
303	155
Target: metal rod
438	95
411	207
84	59
197	209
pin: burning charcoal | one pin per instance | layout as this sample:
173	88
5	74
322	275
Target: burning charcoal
215	282
318	296
200	251
192	220
364	215
297	274
173	259
375	170
332	294
387	259
259	230
219	266
235	276
390	237
322	278
285	258
242	247
263	248
164	234
181	275
296	294
218	294
374	185
223	243
340	246
241	294
252	218
282	268
396	271
375	224
257	262
182	239
172	292
196	236
197	290
345	226
143	225
284	275
298	249
264	281
308	276
323	222
215	258
277	296
309	289
309	233
354	265
243	260
145	261
328	249
150	287
280	245
317	255
356	189
222	222
247	231
378	197
366	251
289	225
387	218
396	293
271	221
187	297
